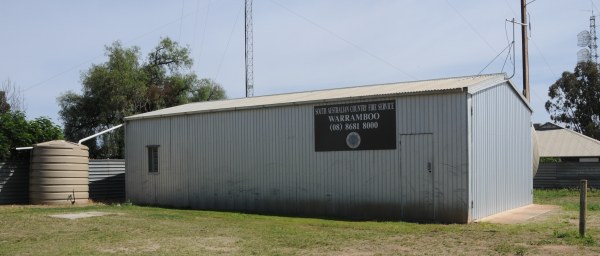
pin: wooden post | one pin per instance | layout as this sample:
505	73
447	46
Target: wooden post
582	206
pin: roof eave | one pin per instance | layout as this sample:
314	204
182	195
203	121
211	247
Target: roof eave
494	82
295	103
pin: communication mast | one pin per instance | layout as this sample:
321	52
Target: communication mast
593	46
249	50
588	40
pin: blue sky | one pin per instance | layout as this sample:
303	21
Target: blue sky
298	45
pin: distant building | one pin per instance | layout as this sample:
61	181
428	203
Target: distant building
446	150
568	145
578	158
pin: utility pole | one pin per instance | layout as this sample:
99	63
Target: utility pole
525	50
249	50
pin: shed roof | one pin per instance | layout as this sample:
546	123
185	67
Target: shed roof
470	84
556	141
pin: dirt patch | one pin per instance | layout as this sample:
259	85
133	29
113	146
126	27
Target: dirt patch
401	245
561	250
179	245
80	215
592	222
132	247
218	244
365	249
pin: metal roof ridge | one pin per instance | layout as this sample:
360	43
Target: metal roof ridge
582	135
483	85
571	131
304	96
369	85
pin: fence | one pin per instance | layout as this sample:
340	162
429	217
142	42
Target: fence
106	181
566	175
14	182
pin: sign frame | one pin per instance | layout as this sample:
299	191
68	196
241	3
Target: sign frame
354	126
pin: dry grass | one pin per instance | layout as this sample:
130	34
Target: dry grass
135	230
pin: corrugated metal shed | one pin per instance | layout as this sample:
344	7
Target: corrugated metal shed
260	155
561	142
470	84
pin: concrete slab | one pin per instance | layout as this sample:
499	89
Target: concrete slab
79	215
521	215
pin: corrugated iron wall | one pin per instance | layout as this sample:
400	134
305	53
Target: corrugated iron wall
107	180
14	182
264	160
567	175
501	153
445	117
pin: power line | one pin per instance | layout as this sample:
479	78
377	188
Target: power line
507	57
195	35
594	6
534	92
204	30
228	42
181	24
510	8
160	27
543	58
471	26
512	48
345	40
486	66
61	73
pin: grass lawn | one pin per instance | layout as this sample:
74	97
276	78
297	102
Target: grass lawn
136	230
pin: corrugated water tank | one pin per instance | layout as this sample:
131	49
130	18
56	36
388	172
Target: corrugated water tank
59	173
536	152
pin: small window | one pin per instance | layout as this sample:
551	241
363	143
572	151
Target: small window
153	158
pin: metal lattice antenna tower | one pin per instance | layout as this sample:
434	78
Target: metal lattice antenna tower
593	45
249	51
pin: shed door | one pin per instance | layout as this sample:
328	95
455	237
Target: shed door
417	175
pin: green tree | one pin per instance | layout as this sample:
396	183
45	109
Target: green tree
574	100
4	106
16	131
126	85
207	90
110	92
